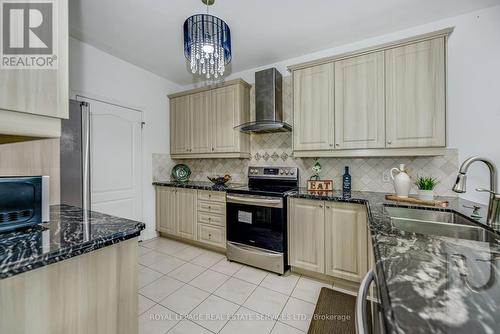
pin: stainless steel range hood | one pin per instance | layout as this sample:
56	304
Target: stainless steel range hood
268	104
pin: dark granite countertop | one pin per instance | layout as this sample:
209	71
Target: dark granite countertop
65	236
203	185
427	283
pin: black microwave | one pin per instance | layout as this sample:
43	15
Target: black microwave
24	201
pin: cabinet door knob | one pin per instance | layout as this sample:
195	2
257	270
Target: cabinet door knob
337	145
213	149
389	142
331	145
327	207
321	206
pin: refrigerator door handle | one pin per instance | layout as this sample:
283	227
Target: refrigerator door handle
86	119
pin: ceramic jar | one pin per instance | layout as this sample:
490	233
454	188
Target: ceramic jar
402	181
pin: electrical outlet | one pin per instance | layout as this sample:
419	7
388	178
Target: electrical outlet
386	176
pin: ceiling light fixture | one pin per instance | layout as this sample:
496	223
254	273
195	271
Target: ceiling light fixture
207	44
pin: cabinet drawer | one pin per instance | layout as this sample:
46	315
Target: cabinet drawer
212	207
215	196
212	235
207	218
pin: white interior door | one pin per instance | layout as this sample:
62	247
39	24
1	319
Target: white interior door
115	160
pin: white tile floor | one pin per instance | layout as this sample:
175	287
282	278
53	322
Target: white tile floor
188	290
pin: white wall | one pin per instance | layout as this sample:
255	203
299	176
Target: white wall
95	73
473	84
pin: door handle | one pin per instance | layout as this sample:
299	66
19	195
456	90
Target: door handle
255	201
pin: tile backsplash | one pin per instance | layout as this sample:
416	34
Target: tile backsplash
276	150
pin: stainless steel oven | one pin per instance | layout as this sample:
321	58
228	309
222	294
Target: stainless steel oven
256	219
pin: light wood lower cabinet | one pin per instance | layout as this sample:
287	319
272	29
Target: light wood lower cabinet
176	211
212	218
306	226
94	292
328	238
346	241
191	214
212	235
186	213
166	210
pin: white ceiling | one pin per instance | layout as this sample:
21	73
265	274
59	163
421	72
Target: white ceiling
148	33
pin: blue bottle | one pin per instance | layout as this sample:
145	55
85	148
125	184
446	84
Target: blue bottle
346	184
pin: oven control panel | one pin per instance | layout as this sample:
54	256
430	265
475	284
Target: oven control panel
273	172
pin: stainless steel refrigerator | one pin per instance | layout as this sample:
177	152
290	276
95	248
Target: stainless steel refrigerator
75	156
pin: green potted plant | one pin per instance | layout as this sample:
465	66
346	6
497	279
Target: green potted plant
426	185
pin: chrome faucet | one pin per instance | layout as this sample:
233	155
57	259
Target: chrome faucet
493	218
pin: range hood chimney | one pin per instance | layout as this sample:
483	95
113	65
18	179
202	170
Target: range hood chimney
268	104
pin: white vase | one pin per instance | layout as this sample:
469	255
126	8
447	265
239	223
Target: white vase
402	181
425	194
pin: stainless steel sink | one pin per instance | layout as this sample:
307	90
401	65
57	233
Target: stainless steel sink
439	223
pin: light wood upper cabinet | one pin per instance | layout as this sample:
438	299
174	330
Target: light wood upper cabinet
180	129
306	234
359	102
201	122
382	101
225	117
32	101
346	241
415	79
166	206
186	213
208	129
313	103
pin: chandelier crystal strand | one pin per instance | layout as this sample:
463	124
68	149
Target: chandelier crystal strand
207	45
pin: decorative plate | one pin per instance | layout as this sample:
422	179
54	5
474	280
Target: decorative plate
181	173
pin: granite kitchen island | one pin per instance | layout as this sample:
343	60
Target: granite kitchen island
75	274
430	283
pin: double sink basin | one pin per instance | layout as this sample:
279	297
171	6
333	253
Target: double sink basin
438	223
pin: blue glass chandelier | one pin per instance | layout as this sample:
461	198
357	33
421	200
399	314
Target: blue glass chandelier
207	44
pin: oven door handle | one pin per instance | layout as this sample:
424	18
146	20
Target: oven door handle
273	203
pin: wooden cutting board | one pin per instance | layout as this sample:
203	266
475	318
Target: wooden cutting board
413	200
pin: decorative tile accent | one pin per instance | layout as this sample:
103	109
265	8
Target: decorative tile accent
275	149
